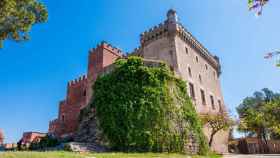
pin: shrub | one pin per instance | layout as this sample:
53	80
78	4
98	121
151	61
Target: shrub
141	108
46	142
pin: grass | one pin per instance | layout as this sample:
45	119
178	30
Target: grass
95	155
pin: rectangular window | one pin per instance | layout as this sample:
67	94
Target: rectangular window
190	71
187	51
203	97
63	117
212	102
220	105
192	93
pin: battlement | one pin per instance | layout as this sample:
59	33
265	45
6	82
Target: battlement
109	47
78	81
172	26
137	51
54	121
185	35
154	33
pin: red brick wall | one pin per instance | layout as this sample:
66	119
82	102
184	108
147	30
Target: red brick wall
69	109
100	57
79	91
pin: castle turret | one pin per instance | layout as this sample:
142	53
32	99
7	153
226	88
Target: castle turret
172	16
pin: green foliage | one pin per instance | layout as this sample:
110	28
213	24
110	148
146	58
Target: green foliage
18	16
217	123
142	108
46	142
272	111
257	114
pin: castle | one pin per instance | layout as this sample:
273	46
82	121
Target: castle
169	42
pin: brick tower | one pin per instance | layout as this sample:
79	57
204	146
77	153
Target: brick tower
79	91
99	58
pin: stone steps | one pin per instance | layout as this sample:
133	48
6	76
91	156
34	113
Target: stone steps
85	147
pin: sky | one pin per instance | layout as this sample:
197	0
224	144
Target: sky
34	74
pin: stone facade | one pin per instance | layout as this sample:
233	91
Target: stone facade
169	42
172	43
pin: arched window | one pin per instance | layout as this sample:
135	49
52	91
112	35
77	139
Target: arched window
62	117
220	106
190	71
85	93
212	102
187	50
192	91
200	78
196	58
203	100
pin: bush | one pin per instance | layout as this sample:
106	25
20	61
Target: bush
142	108
46	142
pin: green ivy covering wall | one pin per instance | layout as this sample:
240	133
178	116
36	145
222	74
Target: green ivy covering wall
141	108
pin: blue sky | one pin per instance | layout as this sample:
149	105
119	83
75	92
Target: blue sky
34	74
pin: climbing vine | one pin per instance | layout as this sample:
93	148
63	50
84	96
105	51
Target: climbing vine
142	108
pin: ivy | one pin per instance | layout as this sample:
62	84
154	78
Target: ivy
141	108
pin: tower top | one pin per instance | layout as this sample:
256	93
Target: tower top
172	16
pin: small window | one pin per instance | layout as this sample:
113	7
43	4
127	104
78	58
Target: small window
187	50
63	118
200	78
170	52
196	58
203	100
220	106
212	102
190	71
192	92
85	93
206	66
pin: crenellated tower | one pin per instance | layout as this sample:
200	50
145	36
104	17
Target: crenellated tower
171	42
99	58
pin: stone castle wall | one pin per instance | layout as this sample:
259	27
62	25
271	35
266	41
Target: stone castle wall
69	109
169	42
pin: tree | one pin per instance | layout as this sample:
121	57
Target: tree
43	143
256	112
17	18
216	122
145	109
272	110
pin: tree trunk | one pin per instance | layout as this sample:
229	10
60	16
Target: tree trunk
266	148
211	138
259	141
